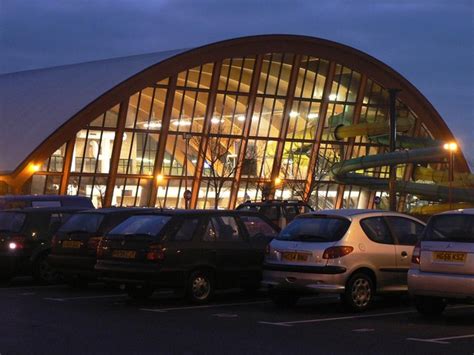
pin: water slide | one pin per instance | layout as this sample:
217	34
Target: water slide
425	151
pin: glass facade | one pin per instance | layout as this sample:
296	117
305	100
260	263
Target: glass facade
227	131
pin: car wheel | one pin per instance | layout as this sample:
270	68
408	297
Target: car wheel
430	306
139	293
200	288
43	272
284	300
359	293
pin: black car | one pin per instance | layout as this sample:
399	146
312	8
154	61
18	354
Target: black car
74	246
24	201
280	212
25	240
198	251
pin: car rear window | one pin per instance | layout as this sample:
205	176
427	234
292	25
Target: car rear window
149	225
83	222
454	228
315	229
12	221
256	226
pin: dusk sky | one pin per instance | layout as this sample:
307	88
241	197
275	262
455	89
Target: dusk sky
430	42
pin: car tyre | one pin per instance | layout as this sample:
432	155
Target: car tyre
139	293
43	272
200	287
359	293
430	306
284	300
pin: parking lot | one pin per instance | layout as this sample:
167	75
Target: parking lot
57	319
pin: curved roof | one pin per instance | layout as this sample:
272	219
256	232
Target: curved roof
62	99
43	100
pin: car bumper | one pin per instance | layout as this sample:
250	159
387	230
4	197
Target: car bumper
305	279
70	265
116	272
440	285
14	264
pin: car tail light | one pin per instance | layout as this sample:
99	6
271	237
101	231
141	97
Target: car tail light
54	241
16	242
268	249
337	252
93	242
415	258
156	252
101	248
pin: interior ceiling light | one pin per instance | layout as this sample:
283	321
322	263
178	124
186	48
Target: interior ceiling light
294	114
313	115
241	118
182	123
333	97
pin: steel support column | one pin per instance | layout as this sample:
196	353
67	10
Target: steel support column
216	71
114	160
319	130
246	130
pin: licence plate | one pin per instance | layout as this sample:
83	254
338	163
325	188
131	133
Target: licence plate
73	244
449	256
124	254
293	256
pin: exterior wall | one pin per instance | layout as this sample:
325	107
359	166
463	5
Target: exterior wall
229	130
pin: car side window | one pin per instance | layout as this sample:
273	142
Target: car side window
271	212
377	230
405	230
186	230
222	229
257	227
291	212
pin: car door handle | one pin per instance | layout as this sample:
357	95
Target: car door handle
404	254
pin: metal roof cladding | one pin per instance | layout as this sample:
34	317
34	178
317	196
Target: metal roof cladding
34	103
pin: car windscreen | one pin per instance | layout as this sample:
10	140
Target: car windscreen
315	229
12	221
450	227
83	222
149	225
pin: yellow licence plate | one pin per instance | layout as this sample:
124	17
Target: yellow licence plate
124	254
449	256
73	244
292	256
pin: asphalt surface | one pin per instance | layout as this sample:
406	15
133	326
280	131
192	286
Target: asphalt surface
60	320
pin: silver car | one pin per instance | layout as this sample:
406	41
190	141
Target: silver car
442	268
354	253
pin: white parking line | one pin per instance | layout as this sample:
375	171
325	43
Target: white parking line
442	340
163	310
58	299
19	288
320	320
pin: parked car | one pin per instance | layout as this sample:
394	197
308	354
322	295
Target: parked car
196	251
354	253
442	269
25	240
25	201
280	212
74	246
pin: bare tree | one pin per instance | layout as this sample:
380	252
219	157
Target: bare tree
221	162
294	177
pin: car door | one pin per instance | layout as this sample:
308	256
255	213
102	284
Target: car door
381	252
226	248
406	233
183	250
258	233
